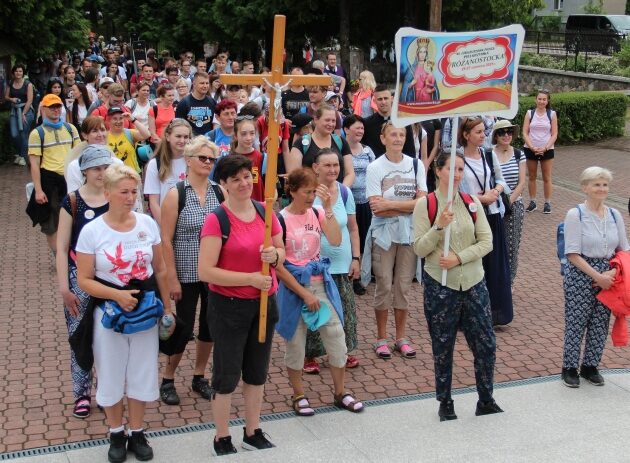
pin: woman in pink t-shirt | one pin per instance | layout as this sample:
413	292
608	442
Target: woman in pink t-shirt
540	131
230	261
308	296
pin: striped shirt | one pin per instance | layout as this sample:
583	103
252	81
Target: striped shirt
510	170
186	239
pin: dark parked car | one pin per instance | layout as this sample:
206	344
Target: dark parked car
596	32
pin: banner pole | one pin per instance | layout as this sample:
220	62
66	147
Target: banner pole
451	181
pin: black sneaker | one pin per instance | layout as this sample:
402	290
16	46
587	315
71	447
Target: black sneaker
547	208
168	394
139	445
223	446
117	447
591	374
258	441
570	377
532	206
447	410
358	288
202	387
487	408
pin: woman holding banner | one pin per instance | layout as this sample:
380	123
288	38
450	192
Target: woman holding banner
463	303
483	178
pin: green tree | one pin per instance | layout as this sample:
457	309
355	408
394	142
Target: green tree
594	7
43	27
463	15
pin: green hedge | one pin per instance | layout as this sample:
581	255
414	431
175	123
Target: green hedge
6	147
583	116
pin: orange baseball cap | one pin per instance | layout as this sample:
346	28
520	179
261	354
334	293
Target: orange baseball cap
51	100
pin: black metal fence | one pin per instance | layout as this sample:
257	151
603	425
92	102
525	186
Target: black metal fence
573	44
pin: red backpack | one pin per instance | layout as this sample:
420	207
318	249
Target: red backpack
432	206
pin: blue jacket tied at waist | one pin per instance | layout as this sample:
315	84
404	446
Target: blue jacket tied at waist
290	304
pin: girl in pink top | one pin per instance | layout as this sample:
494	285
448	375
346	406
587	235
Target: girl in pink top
540	131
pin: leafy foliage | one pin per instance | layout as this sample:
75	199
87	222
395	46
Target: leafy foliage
615	66
583	116
41	27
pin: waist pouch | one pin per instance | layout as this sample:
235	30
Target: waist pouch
145	316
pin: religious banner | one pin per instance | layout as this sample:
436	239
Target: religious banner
442	74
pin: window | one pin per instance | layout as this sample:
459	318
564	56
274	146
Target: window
558	4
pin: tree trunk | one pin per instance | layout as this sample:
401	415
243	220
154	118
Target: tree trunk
435	16
344	35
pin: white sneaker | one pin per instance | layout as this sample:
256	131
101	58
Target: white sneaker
16	159
21	161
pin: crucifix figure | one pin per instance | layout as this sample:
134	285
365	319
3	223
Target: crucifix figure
277	81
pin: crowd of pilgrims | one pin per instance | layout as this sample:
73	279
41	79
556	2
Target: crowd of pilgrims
150	191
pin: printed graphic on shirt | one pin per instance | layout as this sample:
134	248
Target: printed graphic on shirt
121	268
199	115
303	239
399	184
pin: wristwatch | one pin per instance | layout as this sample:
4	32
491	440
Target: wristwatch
358	259
437	227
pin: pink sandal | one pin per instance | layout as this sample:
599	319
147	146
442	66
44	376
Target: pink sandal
382	349
405	349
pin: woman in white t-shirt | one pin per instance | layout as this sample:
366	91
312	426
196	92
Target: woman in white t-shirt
394	182
119	249
168	166
140	105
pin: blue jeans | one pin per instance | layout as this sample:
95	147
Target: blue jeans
20	137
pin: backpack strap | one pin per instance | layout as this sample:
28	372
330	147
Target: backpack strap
517	155
468	200
218	192
134	104
344	193
224	220
305	147
283	224
69	129
224	223
337	139
129	137
155	111
316	212
549	114
432	207
40	132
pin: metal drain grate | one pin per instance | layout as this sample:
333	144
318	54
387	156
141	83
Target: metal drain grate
280	416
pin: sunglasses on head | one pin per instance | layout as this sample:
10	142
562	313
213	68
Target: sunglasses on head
246	117
502	132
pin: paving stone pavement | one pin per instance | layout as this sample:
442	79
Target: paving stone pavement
34	371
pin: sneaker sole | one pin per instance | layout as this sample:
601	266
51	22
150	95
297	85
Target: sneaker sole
593	383
531	210
214	453
546	212
572	386
250	448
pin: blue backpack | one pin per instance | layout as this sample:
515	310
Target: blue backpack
564	262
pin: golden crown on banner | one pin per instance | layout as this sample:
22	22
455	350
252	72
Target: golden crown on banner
423	42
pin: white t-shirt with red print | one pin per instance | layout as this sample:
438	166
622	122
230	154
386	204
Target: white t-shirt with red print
120	256
154	186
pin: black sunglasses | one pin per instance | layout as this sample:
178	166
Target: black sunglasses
205	159
502	132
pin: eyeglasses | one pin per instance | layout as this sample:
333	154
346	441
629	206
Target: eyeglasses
245	117
502	132
205	159
181	87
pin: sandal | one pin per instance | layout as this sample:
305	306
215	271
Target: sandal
301	406
382	349
347	402
311	367
82	408
352	362
405	349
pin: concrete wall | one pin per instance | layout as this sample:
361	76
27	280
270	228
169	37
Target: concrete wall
531	79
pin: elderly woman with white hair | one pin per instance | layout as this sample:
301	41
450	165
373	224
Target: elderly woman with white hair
593	233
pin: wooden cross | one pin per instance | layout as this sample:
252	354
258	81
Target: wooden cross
277	80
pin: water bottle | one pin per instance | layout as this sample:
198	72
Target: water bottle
165	325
